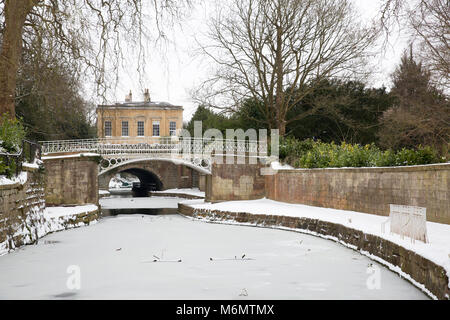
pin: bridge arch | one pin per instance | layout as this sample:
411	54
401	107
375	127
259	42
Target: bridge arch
164	173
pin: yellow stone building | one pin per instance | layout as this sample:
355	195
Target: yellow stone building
139	120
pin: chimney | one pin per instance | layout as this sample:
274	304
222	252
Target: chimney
146	96
129	97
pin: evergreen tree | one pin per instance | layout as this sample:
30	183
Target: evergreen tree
421	114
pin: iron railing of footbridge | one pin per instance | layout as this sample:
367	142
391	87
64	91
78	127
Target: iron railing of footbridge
158	145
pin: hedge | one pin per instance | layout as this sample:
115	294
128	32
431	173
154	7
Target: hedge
317	154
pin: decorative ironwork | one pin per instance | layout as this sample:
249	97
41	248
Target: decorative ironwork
196	151
28	153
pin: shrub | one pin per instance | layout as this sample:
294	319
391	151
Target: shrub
423	155
12	133
316	154
291	149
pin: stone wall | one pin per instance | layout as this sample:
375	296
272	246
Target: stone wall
202	182
235	182
23	219
21	210
368	190
425	272
71	180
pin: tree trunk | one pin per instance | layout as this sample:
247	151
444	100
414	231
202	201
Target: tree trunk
282	128
279	99
15	12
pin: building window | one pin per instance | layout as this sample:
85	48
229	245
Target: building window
156	128
124	128
108	129
140	128
172	128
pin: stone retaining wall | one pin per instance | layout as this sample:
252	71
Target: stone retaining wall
21	210
22	213
368	190
425	272
71	221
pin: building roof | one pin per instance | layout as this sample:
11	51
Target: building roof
152	105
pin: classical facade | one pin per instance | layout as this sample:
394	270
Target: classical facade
138	120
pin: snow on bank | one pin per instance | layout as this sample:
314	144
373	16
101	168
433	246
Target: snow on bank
35	165
23	175
21	178
190	191
437	250
62	218
140	203
55	212
104	192
275	165
39	223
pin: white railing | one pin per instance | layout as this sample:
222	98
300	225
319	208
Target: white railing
112	146
193	149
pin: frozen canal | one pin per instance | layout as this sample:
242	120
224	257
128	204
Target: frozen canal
115	260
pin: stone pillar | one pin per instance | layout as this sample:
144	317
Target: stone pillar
71	179
236	181
202	181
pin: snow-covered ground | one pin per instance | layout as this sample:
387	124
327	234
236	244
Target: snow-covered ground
55	212
115	261
21	178
191	191
437	250
104	193
57	218
42	221
139	203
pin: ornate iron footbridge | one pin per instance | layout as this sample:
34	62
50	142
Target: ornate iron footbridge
197	152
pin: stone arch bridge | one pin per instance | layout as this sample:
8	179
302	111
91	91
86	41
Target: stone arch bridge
159	163
158	173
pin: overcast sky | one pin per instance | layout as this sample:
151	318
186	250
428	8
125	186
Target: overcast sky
172	72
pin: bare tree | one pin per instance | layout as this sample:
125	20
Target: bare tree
428	22
271	49
431	23
91	33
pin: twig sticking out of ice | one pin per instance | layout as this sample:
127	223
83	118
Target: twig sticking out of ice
158	259
235	258
175	260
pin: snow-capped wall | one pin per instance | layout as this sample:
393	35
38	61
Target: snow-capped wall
24	217
368	190
22	205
